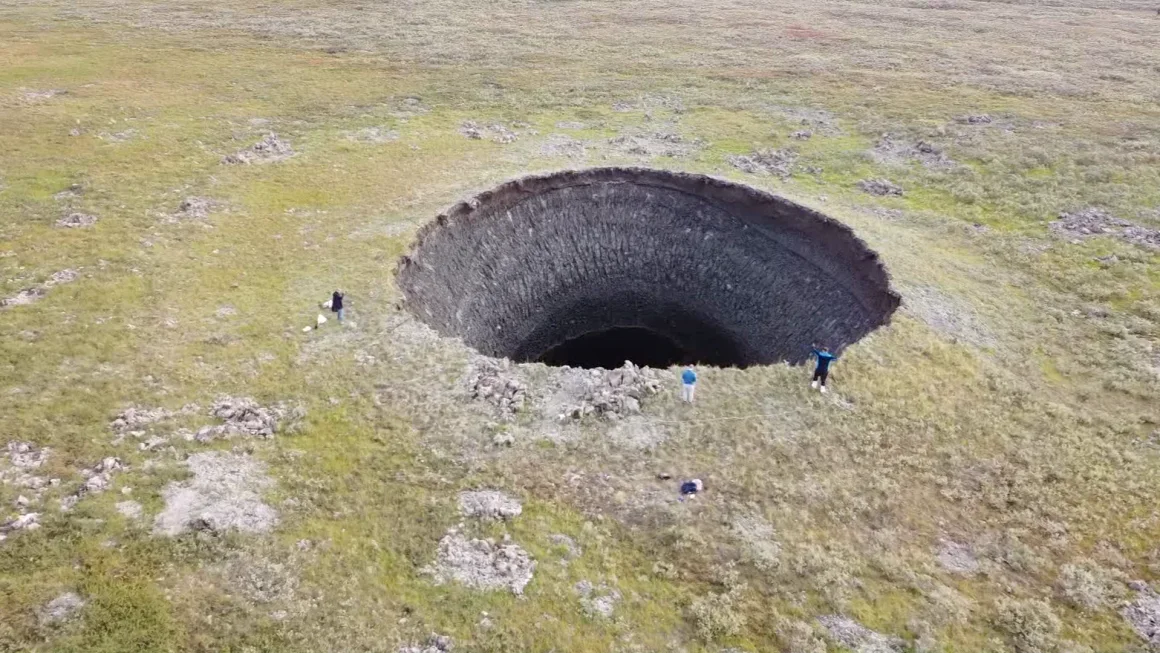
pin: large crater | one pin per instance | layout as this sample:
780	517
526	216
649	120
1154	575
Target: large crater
594	267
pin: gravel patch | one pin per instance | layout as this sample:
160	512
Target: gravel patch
858	638
224	494
778	163
270	149
488	504
481	564
494	381
61	609
880	187
956	558
77	221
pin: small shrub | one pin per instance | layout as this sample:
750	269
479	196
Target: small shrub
1087	585
714	616
1030	624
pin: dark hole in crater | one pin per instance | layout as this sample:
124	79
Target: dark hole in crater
611	347
591	268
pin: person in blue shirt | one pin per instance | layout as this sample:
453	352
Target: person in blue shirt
688	384
823	369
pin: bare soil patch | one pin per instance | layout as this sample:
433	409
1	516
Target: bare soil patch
223	494
779	163
270	149
481	564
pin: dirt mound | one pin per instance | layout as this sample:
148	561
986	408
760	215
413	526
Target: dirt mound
880	187
481	564
778	163
268	150
77	221
488	504
894	150
224	494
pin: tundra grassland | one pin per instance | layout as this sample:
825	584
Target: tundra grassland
985	475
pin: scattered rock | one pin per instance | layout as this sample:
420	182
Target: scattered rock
891	150
614	393
268	150
494	381
26	522
434	644
61	609
1093	221
879	187
957	558
858	638
494	132
257	579
24	297
817	120
655	144
223	495
765	162
803	135
1143	614
135	418
622	107
247	418
975	119
597	601
77	220
73	191
225	311
481	564
130	509
98	479
564	146
194	208
488	504
36	293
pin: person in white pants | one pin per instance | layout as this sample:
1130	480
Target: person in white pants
688	384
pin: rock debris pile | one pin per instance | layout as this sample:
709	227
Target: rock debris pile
481	564
1093	221
494	382
614	394
488	504
1143	614
77	220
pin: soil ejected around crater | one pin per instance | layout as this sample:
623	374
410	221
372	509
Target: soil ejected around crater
594	267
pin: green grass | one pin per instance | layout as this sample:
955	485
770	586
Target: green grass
1005	445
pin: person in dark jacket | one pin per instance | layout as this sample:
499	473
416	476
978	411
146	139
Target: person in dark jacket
823	368
336	304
